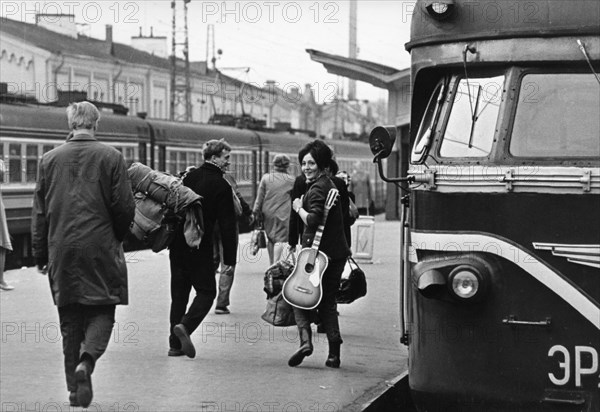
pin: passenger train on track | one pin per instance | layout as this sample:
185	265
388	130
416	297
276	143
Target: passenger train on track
29	130
500	249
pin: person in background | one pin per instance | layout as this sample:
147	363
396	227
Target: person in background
5	244
295	224
82	209
315	158
344	199
360	185
242	211
273	204
195	267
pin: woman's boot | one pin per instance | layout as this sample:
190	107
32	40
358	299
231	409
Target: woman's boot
306	347
333	360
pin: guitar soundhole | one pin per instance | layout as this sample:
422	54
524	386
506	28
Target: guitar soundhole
309	268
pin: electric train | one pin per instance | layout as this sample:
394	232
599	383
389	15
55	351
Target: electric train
500	249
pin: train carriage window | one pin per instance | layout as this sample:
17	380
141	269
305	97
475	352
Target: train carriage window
14	163
247	168
172	163
182	164
46	148
31	164
557	116
2	164
191	159
235	165
129	156
143	155
473	116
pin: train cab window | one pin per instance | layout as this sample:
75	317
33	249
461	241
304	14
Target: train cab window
473	116
31	162
14	163
428	123
557	116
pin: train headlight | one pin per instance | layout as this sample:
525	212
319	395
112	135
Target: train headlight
439	9
465	282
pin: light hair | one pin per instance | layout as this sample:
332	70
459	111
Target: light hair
82	115
214	147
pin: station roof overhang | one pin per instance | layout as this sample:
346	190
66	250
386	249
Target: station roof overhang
378	75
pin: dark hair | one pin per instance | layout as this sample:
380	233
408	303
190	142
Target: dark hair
333	167
319	151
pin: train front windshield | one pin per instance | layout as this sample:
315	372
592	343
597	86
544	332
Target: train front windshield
552	115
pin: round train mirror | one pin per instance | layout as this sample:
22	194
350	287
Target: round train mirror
381	141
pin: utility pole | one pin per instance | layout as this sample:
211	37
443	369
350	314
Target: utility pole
181	88
353	47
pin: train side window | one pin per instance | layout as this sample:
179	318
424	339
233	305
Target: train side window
557	116
15	163
162	158
129	155
31	164
246	167
473	117
235	166
172	162
183	162
142	153
46	148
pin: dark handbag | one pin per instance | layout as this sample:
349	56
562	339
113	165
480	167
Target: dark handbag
278	312
277	273
262	239
353	287
258	240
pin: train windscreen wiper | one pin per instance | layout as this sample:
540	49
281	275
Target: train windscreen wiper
474	116
587	57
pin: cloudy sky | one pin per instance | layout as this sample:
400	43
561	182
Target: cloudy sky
260	40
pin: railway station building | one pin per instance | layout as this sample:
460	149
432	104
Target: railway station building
49	56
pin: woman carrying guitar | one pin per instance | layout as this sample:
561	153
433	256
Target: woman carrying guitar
315	158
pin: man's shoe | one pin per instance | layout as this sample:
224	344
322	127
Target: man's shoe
73	399
6	286
175	352
83	377
186	343
222	311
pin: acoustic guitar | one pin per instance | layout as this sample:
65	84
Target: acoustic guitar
303	288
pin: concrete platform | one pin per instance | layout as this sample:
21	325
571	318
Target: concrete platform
241	361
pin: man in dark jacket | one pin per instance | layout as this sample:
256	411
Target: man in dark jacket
82	209
195	267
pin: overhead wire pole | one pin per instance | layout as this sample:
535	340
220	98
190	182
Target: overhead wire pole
181	90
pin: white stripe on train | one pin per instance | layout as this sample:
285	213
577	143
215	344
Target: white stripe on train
480	242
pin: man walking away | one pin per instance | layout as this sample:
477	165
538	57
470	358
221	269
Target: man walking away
82	209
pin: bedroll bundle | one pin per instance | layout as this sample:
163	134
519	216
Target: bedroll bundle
162	203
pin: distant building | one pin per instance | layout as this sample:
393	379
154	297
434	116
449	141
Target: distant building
40	59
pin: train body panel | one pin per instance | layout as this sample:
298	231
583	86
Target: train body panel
27	131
